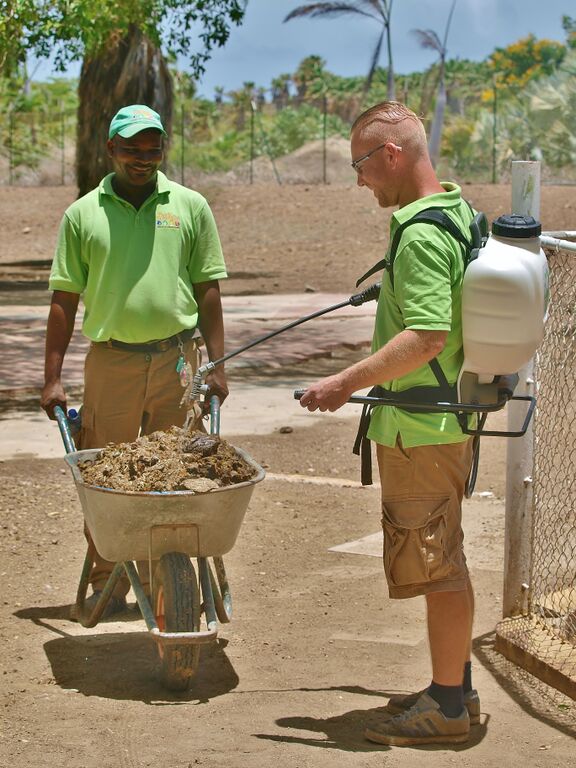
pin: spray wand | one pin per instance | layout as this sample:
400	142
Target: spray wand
369	294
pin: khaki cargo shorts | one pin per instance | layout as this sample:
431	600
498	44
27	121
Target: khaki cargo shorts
422	491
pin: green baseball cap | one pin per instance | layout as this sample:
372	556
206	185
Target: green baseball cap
129	121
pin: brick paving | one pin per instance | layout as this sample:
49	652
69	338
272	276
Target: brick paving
246	318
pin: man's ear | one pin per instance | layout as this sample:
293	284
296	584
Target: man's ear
110	147
394	153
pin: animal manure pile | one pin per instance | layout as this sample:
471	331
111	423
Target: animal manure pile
171	460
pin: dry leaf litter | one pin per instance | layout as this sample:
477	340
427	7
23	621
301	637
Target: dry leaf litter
171	460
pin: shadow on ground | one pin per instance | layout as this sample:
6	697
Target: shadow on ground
125	665
345	732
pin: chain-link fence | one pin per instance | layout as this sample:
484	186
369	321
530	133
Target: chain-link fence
37	147
543	639
304	145
247	141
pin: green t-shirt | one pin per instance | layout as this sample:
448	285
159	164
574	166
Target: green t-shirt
427	292
136	269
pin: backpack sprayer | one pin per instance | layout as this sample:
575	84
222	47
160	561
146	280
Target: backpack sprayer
505	294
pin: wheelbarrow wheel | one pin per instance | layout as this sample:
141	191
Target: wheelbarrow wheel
176	601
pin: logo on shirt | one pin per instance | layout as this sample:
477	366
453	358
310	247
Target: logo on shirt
167	220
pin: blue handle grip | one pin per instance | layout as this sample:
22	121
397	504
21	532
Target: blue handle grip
64	427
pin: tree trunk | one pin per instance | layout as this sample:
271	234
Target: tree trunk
426	91
391	84
129	71
438	121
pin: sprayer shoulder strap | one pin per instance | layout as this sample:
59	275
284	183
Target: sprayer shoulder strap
443	391
435	216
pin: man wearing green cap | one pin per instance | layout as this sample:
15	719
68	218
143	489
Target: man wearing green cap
144	254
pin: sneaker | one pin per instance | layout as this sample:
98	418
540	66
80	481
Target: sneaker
399	704
423	723
113	606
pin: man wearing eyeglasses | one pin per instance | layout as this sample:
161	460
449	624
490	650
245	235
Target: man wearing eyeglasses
424	458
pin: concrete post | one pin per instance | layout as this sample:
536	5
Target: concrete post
519	457
526	188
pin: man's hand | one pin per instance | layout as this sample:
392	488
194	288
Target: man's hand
63	309
216	382
52	395
328	394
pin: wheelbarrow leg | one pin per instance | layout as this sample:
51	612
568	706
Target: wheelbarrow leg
85	576
91	619
208	595
141	597
221	591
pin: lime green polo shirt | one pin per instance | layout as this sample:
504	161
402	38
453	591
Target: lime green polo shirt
428	272
136	269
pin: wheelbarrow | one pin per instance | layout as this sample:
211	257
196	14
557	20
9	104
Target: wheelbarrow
169	527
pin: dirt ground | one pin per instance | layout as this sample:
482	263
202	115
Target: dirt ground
314	643
276	239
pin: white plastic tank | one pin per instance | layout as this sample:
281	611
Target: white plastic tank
505	299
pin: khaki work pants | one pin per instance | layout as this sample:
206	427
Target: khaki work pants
127	394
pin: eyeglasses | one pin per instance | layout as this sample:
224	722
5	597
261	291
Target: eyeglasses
357	164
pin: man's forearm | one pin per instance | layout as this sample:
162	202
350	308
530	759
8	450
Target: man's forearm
406	352
211	325
58	333
210	319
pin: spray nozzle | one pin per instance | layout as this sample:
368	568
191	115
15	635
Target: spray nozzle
368	294
197	386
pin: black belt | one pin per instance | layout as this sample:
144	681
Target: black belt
162	345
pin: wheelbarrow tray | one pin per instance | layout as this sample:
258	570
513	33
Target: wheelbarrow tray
137	525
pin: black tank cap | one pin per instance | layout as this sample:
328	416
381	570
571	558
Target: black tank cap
515	225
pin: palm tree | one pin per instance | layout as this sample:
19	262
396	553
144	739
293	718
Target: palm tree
281	91
429	39
380	10
241	103
309	77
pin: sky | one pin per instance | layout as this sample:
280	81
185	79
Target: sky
263	47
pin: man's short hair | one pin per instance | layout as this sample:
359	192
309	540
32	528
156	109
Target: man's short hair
393	121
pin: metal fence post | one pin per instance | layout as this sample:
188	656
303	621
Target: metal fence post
62	148
519	454
265	143
252	119
495	131
10	148
182	144
324	131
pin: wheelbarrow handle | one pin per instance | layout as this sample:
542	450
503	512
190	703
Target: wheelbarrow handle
68	440
214	415
64	427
